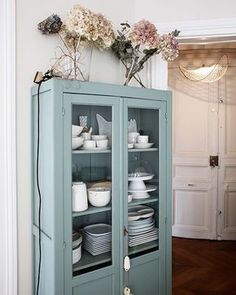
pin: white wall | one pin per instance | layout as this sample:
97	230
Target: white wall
34	52
182	10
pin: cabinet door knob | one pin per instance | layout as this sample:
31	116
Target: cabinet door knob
127	291
126	263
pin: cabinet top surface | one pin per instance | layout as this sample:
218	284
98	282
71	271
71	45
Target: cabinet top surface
78	87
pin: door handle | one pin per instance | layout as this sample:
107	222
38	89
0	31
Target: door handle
214	161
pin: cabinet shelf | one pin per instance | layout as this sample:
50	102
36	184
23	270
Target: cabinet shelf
88	260
152	199
78	152
143	150
92	210
143	247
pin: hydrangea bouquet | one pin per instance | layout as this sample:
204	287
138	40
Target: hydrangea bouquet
81	28
134	45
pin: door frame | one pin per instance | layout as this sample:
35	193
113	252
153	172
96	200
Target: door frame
8	186
197	30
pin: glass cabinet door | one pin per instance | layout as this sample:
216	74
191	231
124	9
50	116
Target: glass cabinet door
144	195
91	178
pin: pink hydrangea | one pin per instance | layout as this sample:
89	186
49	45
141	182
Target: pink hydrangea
169	47
144	33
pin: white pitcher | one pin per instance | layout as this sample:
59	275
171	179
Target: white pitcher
79	197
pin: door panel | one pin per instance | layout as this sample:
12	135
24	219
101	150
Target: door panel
227	150
191	126
98	254
194	182
141	282
143	277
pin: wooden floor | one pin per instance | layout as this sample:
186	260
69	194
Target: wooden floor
204	267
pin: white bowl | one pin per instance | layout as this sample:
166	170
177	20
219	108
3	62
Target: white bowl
77	142
99	137
99	196
76	130
102	143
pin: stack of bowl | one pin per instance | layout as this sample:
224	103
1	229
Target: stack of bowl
76	247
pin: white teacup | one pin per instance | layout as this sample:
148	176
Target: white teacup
143	139
132	137
102	143
86	135
89	144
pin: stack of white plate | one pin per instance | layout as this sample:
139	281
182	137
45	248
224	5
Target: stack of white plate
97	238
76	245
141	225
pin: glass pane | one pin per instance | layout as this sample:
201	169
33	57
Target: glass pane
143	171
91	187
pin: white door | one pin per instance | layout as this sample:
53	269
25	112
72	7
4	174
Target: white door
204	197
226	225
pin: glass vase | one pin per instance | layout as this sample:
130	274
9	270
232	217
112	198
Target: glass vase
73	64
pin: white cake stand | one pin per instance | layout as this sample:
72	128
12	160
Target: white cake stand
137	186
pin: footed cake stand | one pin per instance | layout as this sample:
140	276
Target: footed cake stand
137	186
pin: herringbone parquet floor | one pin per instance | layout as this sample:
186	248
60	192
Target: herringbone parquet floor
202	267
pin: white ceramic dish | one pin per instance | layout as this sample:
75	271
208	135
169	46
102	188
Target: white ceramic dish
99	196
76	255
99	137
103	143
89	144
138	212
95	149
140	176
149	188
76	130
139	226
130	145
143	145
98	229
143	139
77	142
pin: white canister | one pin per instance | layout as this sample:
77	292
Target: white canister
79	197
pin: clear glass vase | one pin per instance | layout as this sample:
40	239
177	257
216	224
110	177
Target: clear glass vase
73	64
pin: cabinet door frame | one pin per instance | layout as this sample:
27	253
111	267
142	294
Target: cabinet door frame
164	251
113	269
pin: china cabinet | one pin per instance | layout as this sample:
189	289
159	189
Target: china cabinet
90	247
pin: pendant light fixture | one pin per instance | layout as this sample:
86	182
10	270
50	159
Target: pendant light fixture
206	74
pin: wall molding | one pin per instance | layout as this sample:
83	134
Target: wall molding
190	30
222	27
8	179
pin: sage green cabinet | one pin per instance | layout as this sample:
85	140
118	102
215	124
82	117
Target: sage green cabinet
147	247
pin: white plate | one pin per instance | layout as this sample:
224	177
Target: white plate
99	229
137	240
140	176
152	233
149	188
143	145
141	231
132	227
142	242
141	221
138	212
100	239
